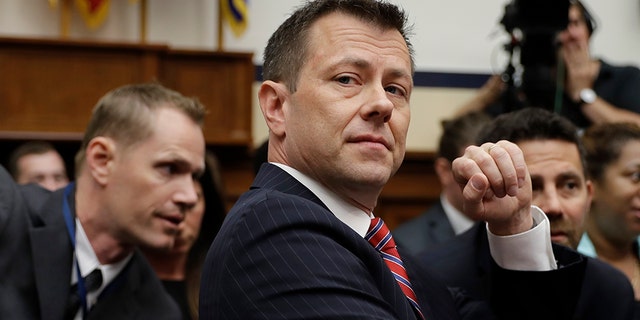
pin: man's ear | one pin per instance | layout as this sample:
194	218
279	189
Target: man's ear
100	155
442	167
273	96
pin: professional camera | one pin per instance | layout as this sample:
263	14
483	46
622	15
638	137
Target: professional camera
533	26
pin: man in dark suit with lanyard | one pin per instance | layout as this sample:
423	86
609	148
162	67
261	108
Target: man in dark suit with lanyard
71	254
303	242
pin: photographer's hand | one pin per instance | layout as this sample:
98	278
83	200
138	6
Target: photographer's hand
581	70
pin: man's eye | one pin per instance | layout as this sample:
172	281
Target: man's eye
168	169
345	79
571	185
392	90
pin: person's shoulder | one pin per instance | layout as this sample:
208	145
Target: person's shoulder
37	196
409	228
607	277
461	252
150	295
620	70
605	292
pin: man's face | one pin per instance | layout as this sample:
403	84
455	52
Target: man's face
190	227
559	187
150	186
346	124
577	33
46	169
616	203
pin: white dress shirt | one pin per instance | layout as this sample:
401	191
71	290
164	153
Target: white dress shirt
88	261
459	222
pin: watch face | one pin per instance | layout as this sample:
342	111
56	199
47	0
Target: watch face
587	96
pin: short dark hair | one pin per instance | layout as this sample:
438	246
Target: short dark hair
286	49
604	143
589	19
125	113
531	124
460	132
25	149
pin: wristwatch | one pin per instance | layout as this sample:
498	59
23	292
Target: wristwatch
587	96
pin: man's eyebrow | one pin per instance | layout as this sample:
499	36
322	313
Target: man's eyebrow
365	64
569	175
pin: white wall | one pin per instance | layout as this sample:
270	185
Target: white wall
462	36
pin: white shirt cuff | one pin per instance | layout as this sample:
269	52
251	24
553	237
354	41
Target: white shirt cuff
527	251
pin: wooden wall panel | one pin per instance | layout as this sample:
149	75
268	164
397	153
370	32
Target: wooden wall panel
221	82
410	191
51	86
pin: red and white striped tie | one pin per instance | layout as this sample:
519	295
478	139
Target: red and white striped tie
380	238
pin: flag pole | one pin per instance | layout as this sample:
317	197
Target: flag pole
220	27
143	21
65	18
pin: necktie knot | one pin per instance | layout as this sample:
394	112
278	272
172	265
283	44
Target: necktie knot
380	238
93	280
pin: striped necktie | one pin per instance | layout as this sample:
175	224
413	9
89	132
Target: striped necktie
380	238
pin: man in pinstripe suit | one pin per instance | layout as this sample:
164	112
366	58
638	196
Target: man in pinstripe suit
338	80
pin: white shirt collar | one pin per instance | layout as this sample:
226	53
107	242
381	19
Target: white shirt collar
88	261
349	214
459	222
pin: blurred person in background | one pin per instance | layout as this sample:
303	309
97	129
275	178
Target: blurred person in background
38	162
445	218
593	90
613	223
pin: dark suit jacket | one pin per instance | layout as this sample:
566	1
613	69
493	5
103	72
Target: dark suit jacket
424	231
36	259
281	254
465	262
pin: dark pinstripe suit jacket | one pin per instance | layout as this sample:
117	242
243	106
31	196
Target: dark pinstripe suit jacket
281	254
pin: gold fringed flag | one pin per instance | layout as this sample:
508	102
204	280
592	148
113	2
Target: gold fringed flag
236	14
93	11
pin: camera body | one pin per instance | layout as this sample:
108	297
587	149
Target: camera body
534	26
539	21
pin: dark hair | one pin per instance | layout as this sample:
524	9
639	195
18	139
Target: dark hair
125	114
460	132
214	213
530	124
25	149
604	143
286	49
588	17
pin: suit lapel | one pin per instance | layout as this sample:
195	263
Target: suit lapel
52	257
440	225
273	177
111	304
